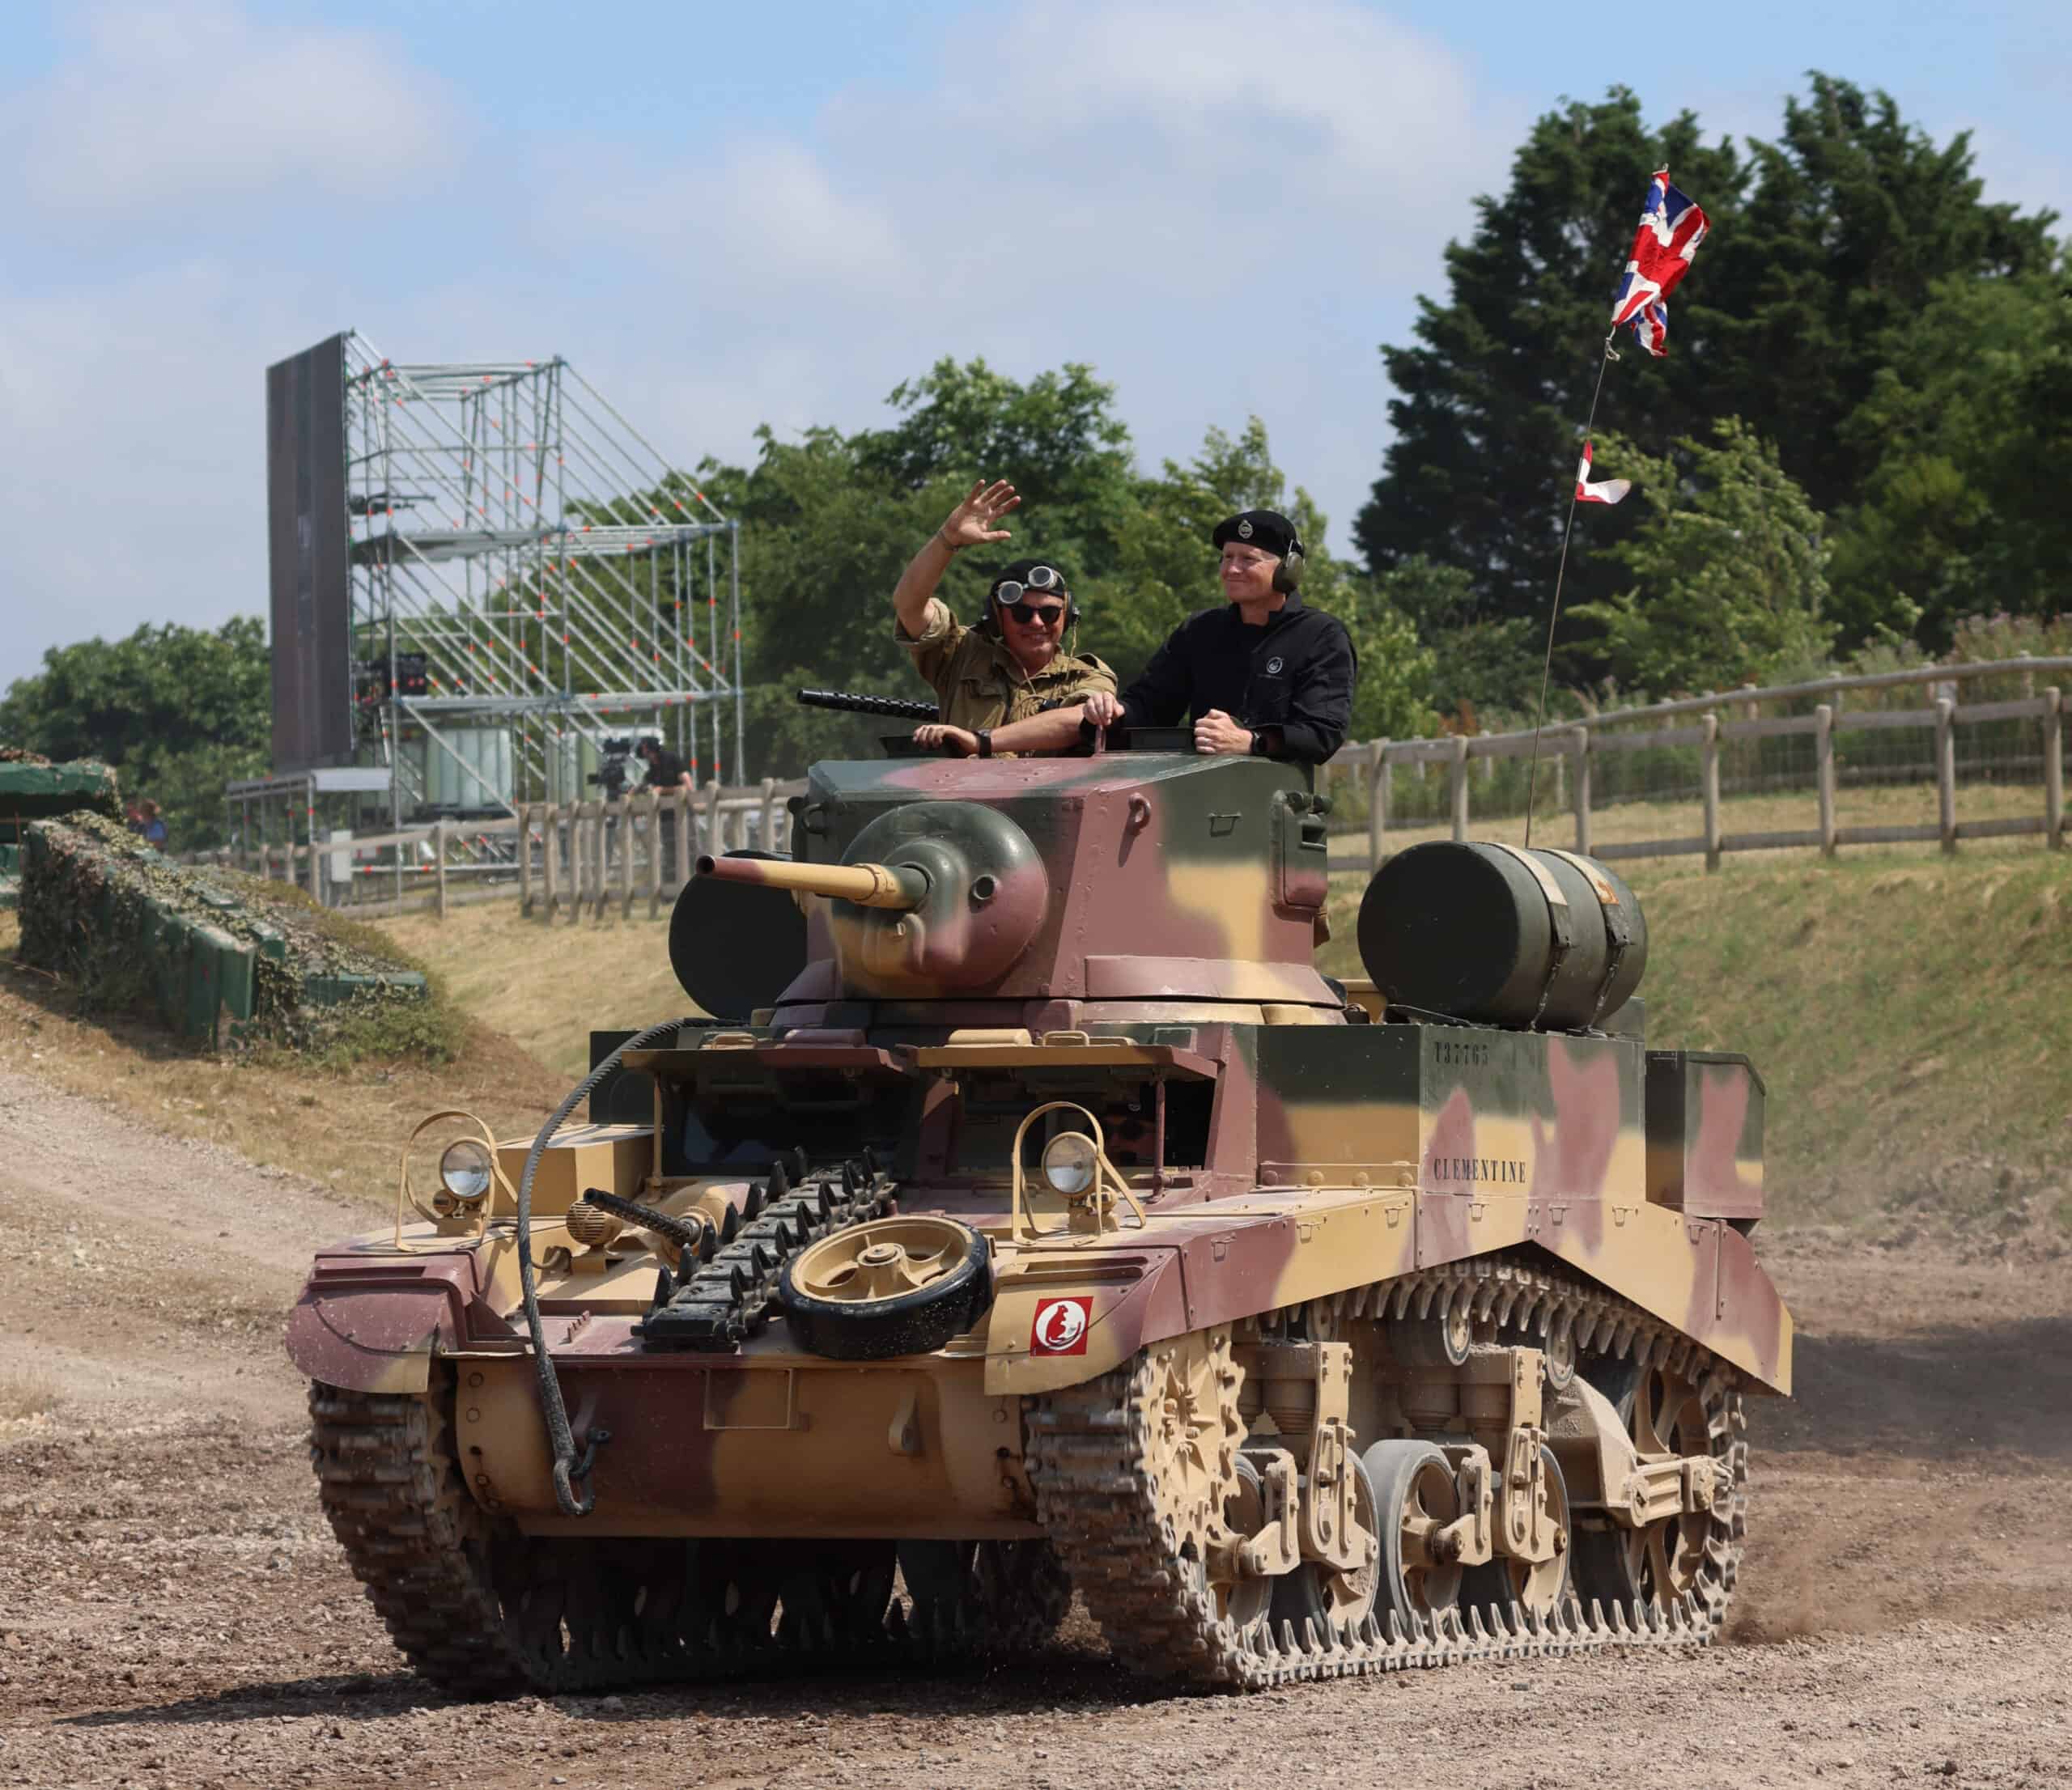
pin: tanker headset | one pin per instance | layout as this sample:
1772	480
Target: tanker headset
1289	573
1039	578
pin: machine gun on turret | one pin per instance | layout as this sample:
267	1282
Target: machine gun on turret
856	702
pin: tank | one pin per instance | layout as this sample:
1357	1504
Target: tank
1024	1213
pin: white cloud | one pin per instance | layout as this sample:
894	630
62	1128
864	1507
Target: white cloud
1220	230
185	107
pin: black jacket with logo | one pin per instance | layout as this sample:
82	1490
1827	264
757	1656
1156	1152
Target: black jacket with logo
1295	674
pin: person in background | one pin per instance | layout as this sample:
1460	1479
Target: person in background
150	825
666	770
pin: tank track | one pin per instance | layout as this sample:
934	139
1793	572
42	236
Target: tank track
726	1300
483	1611
1092	1458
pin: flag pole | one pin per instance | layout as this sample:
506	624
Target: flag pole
1547	668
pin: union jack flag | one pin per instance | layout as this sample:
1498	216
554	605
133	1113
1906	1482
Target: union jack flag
1672	228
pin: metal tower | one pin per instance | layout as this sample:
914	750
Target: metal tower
529	577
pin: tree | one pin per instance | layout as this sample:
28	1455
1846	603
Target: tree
1490	396
1824	246
1969	429
177	712
1729	568
829	521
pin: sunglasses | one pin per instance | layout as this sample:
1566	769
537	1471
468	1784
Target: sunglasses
1050	614
1008	592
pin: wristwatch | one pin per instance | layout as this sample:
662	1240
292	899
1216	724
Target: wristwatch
985	736
1257	748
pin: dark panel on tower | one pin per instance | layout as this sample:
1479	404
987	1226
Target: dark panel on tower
306	555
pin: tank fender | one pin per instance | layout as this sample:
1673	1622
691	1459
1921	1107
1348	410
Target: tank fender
371	1325
1061	1316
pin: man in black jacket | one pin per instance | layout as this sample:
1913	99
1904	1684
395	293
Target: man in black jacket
1263	674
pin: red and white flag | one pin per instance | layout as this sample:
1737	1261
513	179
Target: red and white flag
1605	490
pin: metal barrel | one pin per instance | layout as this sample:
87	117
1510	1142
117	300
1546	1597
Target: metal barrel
868	885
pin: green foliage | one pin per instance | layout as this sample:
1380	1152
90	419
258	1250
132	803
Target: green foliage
1730	568
829	521
177	712
1970	422
1826	248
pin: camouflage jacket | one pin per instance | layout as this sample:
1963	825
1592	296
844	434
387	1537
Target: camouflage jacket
978	683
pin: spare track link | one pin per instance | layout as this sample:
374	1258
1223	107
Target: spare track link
726	1300
1089	1451
482	1619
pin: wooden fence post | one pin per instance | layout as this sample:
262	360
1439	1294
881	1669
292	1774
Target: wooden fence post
1823	773
1380	775
682	799
316	862
524	860
768	840
654	852
601	845
439	863
579	857
1710	783
2053	767
1945	772
1457	774
550	860
714	843
1582	750
626	858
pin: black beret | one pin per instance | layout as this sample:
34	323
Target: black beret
1267	530
1021	568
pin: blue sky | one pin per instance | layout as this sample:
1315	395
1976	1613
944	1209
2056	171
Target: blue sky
728	216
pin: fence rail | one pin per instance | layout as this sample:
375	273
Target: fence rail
588	857
566	859
1572	751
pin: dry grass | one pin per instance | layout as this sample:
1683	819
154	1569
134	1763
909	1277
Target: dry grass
545	987
25	1397
341	1126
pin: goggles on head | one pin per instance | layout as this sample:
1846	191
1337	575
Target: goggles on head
1009	592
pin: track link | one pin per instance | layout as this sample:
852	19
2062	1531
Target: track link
1092	1453
483	1611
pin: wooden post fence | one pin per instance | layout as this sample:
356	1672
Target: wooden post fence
2053	767
1708	782
1823	775
438	863
1457	773
1381	776
1582	754
1945	773
525	861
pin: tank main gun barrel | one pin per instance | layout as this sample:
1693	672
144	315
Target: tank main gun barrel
903	886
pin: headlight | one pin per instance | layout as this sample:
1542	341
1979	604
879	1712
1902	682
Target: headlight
464	1171
1068	1160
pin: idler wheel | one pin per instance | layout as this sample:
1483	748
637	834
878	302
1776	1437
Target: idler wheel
895	1286
1415	1497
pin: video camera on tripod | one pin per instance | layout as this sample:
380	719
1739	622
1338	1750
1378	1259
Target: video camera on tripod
615	768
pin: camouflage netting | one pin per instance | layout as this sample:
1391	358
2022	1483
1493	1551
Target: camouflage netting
221	956
31	788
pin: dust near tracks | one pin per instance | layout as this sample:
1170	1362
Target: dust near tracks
174	1612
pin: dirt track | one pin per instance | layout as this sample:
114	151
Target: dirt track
173	1611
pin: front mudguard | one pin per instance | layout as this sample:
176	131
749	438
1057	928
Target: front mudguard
373	1323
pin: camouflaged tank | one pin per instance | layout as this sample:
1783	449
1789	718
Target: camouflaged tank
1040	1218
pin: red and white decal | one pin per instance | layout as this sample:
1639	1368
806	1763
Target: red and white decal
1060	1326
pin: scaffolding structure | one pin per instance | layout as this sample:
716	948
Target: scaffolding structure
532	585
